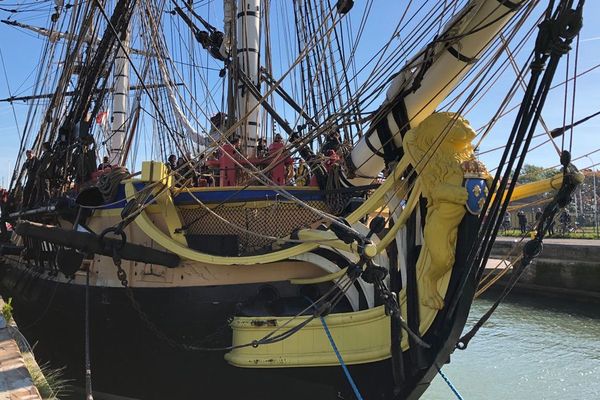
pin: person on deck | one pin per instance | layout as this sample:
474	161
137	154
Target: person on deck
104	164
522	221
31	167
333	142
172	162
302	174
506	221
205	177
45	172
281	160
262	149
185	174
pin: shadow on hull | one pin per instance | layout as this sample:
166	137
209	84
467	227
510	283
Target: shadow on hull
129	360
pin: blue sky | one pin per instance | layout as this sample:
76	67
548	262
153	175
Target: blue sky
20	51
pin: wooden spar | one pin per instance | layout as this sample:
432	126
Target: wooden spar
450	61
91	243
72	92
53	36
256	94
120	101
248	58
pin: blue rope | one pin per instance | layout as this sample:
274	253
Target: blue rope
339	357
450	385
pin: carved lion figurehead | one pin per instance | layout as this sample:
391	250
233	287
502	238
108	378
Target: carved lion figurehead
444	134
447	133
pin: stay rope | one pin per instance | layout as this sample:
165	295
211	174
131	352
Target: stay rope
88	362
450	385
340	359
322	306
553	41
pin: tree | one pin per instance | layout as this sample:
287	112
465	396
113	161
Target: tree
533	173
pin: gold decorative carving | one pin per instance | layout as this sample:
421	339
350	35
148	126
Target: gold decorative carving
440	150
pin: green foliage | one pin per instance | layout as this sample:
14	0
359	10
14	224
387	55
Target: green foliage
7	310
581	233
50	382
533	173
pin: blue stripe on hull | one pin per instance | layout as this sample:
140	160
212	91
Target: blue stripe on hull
229	195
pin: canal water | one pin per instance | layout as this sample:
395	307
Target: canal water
531	349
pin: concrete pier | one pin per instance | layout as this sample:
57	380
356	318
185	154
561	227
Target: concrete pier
16	382
566	267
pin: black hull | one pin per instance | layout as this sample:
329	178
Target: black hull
129	360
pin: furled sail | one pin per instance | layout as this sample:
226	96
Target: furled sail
426	81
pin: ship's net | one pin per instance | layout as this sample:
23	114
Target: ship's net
241	224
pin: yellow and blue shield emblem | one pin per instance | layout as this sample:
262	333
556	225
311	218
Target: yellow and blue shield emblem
477	193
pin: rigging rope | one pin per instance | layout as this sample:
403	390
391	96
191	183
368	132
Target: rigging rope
321	306
407	8
88	363
134	68
574	94
532	248
255	172
450	385
516	106
556	34
340	359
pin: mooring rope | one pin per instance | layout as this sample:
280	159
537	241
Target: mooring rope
450	385
341	360
88	364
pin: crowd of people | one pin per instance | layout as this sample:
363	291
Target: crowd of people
525	225
221	167
39	172
187	175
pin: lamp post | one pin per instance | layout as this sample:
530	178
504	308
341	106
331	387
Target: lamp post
595	197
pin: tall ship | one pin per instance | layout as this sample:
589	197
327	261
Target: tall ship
226	199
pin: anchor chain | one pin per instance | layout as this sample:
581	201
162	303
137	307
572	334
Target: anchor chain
152	327
322	310
122	276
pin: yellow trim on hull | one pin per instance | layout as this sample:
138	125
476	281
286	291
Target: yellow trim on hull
150	229
170	214
179	246
362	337
238	188
320	279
